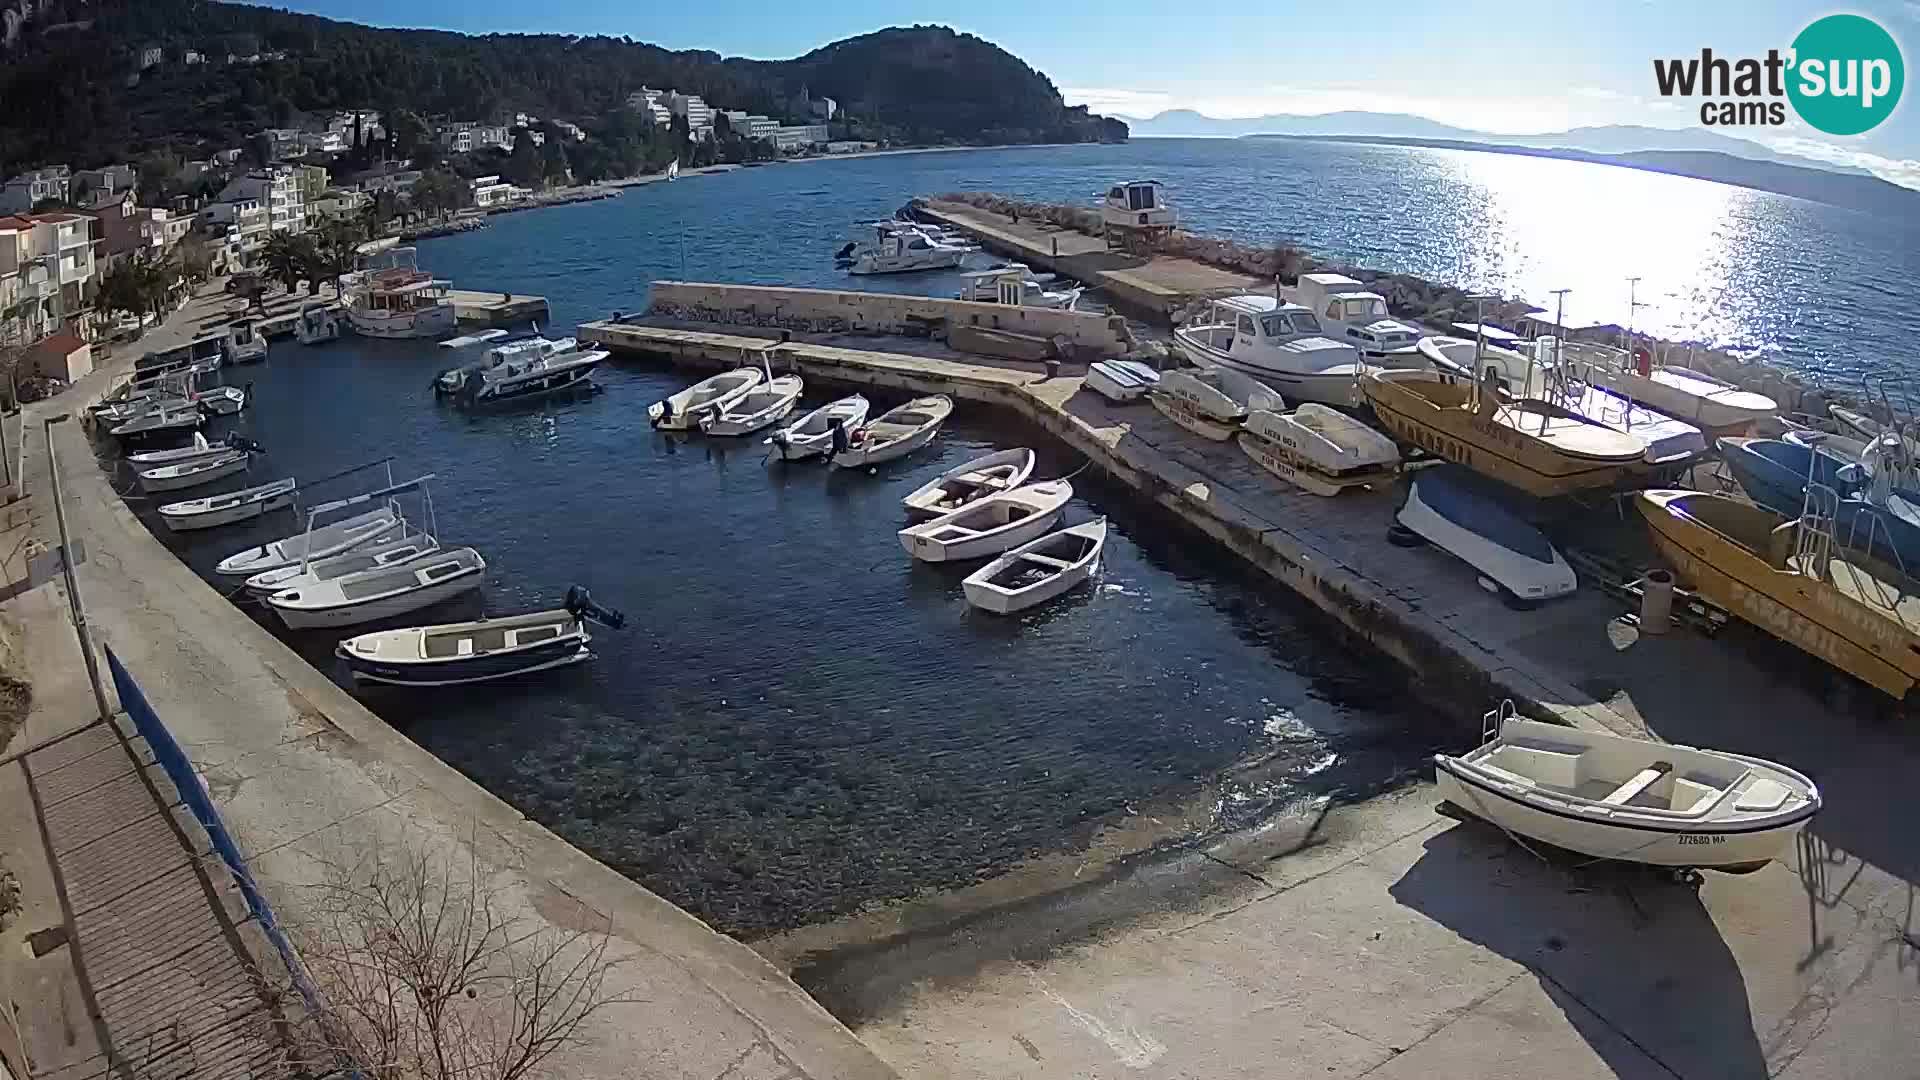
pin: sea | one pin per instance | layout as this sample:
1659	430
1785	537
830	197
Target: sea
798	722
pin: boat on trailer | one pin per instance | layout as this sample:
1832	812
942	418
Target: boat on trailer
1038	570
1464	515
380	594
813	434
1212	401
683	411
1003	470
895	433
1319	449
449	654
763	406
990	525
1629	800
235	506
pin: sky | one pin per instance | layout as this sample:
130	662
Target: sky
1504	67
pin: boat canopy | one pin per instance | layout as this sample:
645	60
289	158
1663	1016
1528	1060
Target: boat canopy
1462	497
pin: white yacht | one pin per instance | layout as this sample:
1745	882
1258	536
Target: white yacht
1014	286
902	251
1280	344
520	370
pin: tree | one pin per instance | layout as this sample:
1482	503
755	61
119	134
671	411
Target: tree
407	134
287	258
121	291
196	262
336	246
523	164
437	192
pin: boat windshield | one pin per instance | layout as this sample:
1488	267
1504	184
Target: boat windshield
1286	324
1365	307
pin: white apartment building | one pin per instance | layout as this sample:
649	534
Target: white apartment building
46	273
22	193
489	191
257	204
796	136
698	113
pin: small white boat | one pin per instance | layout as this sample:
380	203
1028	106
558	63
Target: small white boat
198	448
1038	570
193	472
1467	359
316	325
168	420
380	594
318	543
450	654
1212	401
1869	429
1280	344
1631	800
243	505
902	250
1694	396
1000	471
682	411
1452	508
244	343
1318	449
1122	381
379	555
762	406
221	400
812	435
990	525
896	433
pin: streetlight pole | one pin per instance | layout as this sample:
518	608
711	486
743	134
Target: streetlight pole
79	610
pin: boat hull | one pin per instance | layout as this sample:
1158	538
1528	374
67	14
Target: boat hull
1331	388
1190	416
245	511
559	652
349	614
991	542
1281	461
426	323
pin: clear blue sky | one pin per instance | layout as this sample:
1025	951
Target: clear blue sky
1532	65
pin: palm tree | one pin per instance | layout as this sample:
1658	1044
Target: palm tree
286	257
337	246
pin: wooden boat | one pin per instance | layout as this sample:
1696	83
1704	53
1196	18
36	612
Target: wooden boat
896	433
1121	381
243	505
762	406
990	525
380	555
1632	800
169	420
193	472
1318	449
1466	516
342	535
962	484
1789	579
380	594
682	411
1039	570
813	434
1535	446
1212	401
467	652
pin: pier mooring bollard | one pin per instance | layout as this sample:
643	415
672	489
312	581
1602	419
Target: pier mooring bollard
1656	602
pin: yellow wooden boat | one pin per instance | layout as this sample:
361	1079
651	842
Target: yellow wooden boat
1533	445
1859	616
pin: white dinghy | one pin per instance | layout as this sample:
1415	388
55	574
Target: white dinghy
198	448
380	523
962	484
762	406
1318	449
380	594
193	472
243	505
1039	570
898	432
682	411
381	555
1632	800
813	434
1212	401
991	525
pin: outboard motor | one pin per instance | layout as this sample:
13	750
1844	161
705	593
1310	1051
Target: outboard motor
666	412
580	603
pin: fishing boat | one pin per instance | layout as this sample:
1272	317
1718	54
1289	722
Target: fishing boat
1784	575
1349	311
1003	470
243	505
245	344
381	555
1318	449
1283	345
193	472
813	434
220	400
1467	517
1122	381
990	525
895	433
1039	570
1631	800
1713	403
380	594
1212	401
763	406
901	249
1775	473
1536	446
380	523
538	376
467	652
316	325
171	420
682	411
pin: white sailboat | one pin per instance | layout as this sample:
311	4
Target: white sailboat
990	525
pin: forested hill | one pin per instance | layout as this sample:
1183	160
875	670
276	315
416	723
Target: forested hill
65	80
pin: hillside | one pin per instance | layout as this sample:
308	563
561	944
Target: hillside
67	80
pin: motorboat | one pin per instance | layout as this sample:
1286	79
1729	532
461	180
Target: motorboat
1349	311
220	400
1776	473
901	249
1011	285
316	325
402	303
682	411
1536	446
526	380
1881	452
1631	800
1122	381
1003	470
1318	449
1137	207
1868	428
1282	345
1713	403
1785	575
516	353
1464	515
895	433
243	505
1212	401
1038	570
193	472
763	406
449	654
1467	360
198	448
245	344
170	420
371	526
812	435
146	404
1668	441
382	555
380	594
990	525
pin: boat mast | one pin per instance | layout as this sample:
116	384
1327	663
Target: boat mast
1558	376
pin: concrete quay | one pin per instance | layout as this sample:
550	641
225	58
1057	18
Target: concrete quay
303	773
488	309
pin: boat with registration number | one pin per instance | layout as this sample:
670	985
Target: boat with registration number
1318	449
1211	401
451	654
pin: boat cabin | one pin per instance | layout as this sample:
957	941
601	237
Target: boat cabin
1351	312
1243	327
1139	204
403	291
